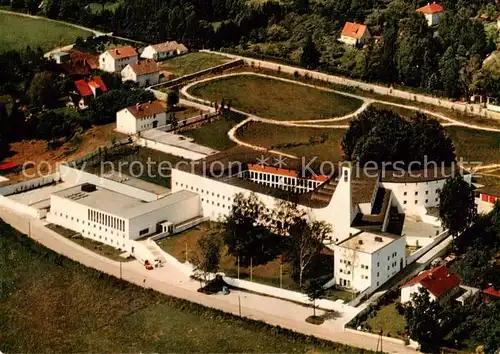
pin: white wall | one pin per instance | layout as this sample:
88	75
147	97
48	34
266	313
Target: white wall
110	64
128	74
148	79
148	53
127	123
29	184
170	149
77	176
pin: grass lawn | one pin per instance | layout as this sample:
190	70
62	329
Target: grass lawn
192	62
17	32
295	140
268	273
52	304
388	320
269	98
475	145
94	246
214	134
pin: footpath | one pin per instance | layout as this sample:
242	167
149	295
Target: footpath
172	282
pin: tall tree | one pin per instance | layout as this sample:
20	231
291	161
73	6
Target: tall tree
457	208
315	291
449	69
309	57
42	90
206	261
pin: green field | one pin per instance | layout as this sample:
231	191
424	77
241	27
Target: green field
50	304
388	320
298	141
214	134
270	98
192	62
17	32
475	145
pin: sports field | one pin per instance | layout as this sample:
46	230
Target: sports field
17	32
275	99
49	304
192	62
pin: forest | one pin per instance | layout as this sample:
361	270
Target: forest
446	60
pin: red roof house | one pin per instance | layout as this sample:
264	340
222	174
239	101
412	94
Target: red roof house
439	282
432	13
88	89
355	33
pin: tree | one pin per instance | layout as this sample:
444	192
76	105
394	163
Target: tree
315	291
423	319
309	57
449	68
42	89
206	261
172	99
304	239
457	208
172	120
245	231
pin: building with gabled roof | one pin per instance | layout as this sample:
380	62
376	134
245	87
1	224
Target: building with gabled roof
432	13
143	72
355	34
115	59
164	50
441	284
87	89
142	116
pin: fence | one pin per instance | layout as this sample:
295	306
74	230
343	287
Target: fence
387	91
29	184
213	70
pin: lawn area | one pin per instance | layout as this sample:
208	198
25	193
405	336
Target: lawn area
17	32
475	145
298	141
388	320
94	246
214	134
52	304
192	62
268	273
270	98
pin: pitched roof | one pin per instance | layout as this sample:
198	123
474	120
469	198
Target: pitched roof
168	46
148	108
353	30
92	60
437	280
431	8
85	86
143	67
122	52
491	291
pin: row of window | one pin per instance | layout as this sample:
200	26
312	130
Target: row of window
416	201
106	220
144	231
213	203
101	238
83	222
426	192
293	181
201	191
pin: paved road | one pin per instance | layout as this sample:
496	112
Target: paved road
170	281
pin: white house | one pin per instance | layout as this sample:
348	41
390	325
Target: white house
114	60
144	116
367	260
117	219
432	13
163	50
143	72
440	283
355	34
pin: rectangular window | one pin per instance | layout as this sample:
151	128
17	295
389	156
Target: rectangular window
143	232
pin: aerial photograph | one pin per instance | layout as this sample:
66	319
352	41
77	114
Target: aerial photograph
250	176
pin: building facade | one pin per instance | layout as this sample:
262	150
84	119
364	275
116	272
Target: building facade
145	116
116	59
432	13
355	34
164	50
142	72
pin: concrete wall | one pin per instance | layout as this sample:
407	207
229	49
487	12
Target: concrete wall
77	176
383	90
21	208
29	184
169	149
418	253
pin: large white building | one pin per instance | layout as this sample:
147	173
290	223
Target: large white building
116	59
164	50
142	72
142	116
117	219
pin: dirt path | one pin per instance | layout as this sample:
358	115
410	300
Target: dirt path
232	133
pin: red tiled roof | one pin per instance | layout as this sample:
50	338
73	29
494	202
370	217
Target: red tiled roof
437	281
7	165
491	291
92	60
431	8
143	67
283	172
148	109
122	52
353	30
84	86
